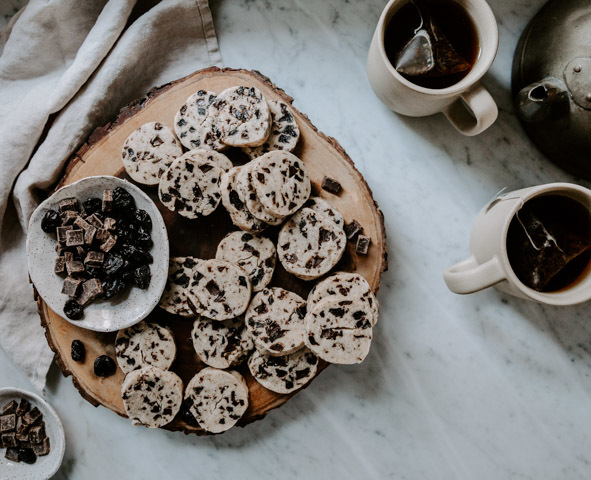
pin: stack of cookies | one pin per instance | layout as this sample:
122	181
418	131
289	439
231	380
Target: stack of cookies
237	316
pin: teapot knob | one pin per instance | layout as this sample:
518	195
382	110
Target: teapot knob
546	99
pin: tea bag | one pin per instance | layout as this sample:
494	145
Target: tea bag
544	249
429	52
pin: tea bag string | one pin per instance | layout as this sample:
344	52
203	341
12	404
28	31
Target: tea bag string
549	238
420	12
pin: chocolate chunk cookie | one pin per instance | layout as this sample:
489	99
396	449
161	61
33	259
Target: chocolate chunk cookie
220	288
194	127
283	374
149	151
280	182
275	319
235	206
284	131
190	186
221	344
252	253
174	298
242	116
144	344
321	206
217	399
251	200
152	396
211	156
339	331
310	244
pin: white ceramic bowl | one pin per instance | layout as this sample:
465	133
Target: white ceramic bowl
45	467
123	310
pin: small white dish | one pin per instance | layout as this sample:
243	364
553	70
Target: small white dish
123	310
45	467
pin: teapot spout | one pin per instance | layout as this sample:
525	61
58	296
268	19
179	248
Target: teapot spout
546	99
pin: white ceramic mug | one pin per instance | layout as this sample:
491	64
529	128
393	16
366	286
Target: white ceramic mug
489	264
466	104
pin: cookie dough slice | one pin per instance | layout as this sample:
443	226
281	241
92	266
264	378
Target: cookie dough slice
246	191
284	131
194	127
323	207
345	286
310	244
275	319
242	116
217	399
235	206
211	156
221	289
339	331
252	253
144	344
221	344
152	396
149	151
190	186
280	182
283	374
174	298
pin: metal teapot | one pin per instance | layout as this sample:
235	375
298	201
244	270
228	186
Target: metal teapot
551	83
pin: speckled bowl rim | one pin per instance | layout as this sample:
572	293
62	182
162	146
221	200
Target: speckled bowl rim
46	408
159	252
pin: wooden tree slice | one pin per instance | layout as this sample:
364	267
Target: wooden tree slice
101	155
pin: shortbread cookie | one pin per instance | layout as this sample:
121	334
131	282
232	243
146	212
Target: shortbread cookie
152	396
310	244
253	205
217	399
345	286
191	187
323	207
235	206
339	331
221	344
252	253
211	156
280	182
174	298
221	289
242	116
149	151
284	131
144	344
275	319
194	127
283	374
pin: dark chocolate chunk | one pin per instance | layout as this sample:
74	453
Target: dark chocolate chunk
23	407
74	238
89	235
78	351
331	185
9	408
61	233
95	221
94	259
50	221
109	223
74	266
107	200
32	416
68	204
68	217
81	223
43	448
109	243
73	310
7	423
362	245
352	229
104	366
37	433
92	288
60	265
71	286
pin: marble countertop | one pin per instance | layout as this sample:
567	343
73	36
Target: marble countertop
479	387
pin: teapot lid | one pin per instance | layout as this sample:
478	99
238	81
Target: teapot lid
551	83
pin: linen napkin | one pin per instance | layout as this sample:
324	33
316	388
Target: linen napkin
67	67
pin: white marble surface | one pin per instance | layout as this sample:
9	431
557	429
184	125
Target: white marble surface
479	387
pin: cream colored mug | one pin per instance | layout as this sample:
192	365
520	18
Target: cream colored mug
467	104
489	264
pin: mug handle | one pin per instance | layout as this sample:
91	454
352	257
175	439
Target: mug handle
473	112
469	276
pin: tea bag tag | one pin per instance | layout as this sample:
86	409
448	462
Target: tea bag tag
416	58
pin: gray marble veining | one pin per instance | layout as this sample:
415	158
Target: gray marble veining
479	387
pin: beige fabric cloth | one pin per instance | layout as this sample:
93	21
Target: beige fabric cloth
67	67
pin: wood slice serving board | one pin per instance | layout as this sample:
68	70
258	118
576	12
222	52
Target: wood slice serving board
101	155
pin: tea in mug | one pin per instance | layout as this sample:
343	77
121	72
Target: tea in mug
549	242
432	43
